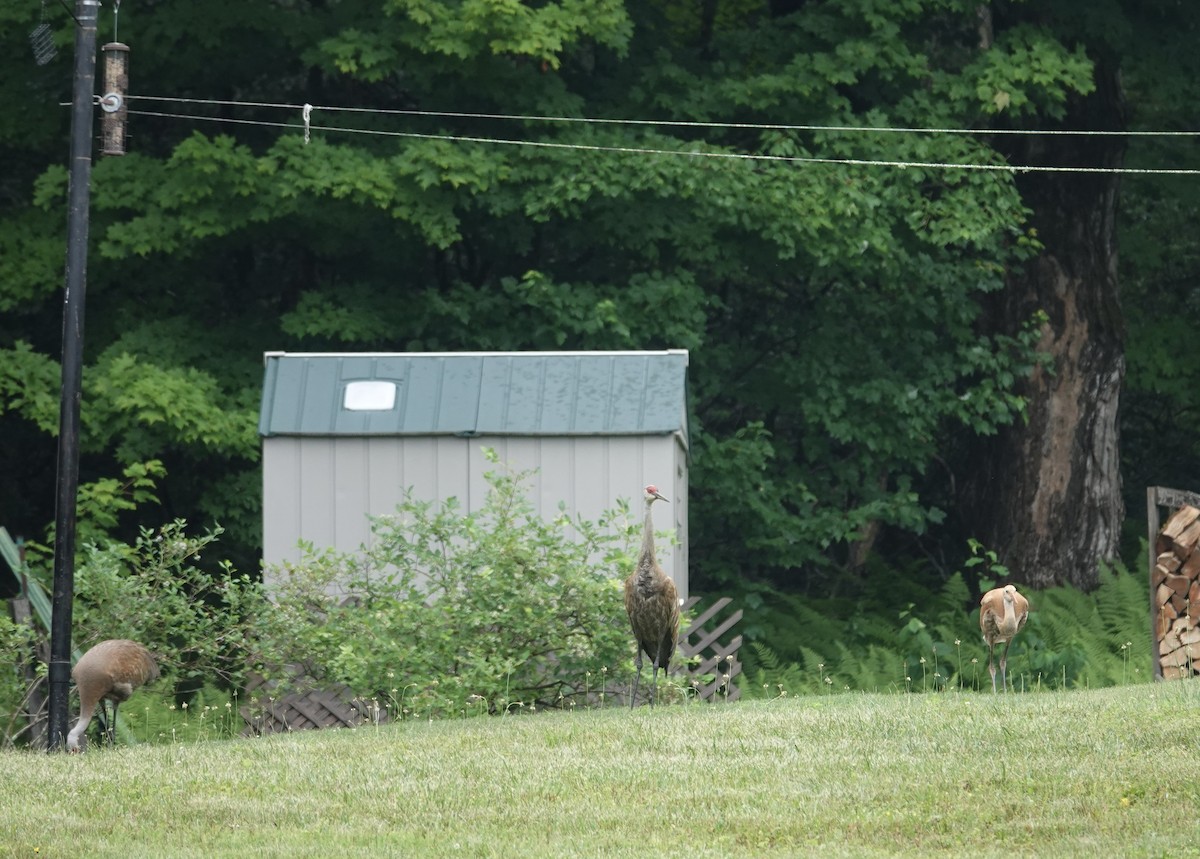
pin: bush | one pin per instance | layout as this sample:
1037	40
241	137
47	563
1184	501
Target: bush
202	626
454	612
16	639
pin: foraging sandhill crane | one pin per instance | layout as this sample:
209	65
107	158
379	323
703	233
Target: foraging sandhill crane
110	671
1002	614
652	603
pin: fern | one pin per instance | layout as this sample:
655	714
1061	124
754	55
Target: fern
767	657
871	669
1097	639
772	677
1072	639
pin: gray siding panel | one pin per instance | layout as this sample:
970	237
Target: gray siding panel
317	503
322	490
281	498
385	476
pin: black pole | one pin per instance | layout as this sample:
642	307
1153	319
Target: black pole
86	13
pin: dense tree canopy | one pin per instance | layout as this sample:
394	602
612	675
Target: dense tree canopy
747	179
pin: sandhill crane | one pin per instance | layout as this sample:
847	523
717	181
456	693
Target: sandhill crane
110	671
1002	614
652	603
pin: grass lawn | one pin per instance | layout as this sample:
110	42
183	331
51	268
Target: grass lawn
1111	772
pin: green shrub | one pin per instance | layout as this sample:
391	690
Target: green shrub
452	612
17	640
202	626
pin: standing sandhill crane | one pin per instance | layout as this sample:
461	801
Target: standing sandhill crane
652	603
1002	614
110	671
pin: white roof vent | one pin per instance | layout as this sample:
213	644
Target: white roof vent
369	396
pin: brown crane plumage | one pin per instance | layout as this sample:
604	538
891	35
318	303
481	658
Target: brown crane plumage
652	603
1002	615
110	671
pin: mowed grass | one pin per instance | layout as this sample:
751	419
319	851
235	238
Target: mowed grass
1112	772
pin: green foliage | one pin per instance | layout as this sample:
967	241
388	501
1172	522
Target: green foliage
17	641
833	310
99	506
1159	274
1071	640
29	384
142	409
202	622
1029	72
508	28
452	612
100	502
1096	639
210	713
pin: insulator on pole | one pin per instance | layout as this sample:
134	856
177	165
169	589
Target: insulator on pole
116	81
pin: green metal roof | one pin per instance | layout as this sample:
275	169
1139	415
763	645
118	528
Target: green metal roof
475	393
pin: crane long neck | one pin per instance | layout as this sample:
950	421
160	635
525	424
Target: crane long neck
1008	623
646	557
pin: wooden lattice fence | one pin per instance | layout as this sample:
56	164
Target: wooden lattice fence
714	675
335	707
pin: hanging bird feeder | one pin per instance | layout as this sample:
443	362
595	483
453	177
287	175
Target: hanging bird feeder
116	79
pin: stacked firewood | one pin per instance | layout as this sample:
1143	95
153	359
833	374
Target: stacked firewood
1175	584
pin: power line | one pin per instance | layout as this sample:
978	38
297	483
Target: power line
639	150
674	123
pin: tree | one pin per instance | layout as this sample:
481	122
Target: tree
572	174
1046	491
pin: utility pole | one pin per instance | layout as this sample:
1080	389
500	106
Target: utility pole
78	196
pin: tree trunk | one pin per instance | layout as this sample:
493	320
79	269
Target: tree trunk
1046	495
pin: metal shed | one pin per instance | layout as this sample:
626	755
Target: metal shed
344	435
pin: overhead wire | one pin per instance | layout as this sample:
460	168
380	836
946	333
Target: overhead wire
679	123
308	127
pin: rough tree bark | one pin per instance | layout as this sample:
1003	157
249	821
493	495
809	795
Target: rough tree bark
1046	495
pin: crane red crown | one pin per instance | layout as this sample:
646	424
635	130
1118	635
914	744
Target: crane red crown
652	493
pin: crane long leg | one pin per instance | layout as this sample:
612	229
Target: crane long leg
992	666
637	679
654	682
112	726
101	717
1004	667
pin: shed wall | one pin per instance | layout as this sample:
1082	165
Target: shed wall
321	489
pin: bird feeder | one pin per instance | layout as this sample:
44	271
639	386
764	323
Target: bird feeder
116	79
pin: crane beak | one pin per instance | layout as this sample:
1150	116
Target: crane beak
660	497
